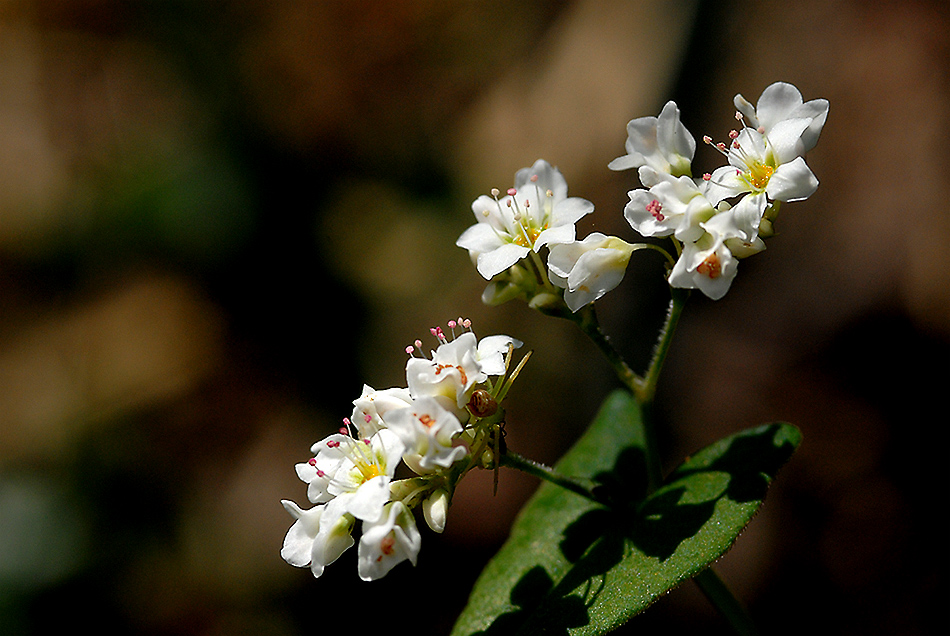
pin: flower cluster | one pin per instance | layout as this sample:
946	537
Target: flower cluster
713	221
507	240
723	216
443	424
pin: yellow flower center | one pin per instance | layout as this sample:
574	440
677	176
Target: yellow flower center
369	471
759	174
528	237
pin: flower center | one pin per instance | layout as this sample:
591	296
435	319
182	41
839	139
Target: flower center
463	378
369	471
654	207
758	175
387	546
527	237
711	267
426	420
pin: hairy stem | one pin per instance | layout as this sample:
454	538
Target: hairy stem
531	467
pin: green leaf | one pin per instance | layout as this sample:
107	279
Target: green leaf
572	566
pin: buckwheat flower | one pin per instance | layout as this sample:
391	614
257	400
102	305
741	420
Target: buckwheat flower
388	541
671	206
316	539
456	368
353	473
657	146
427	431
588	269
780	102
765	164
708	264
534	213
371	407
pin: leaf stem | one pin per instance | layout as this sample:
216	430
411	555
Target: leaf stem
723	600
537	469
586	320
647	389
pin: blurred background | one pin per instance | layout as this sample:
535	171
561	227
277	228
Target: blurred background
219	219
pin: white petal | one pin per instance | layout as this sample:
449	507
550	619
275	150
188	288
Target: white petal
491	351
570	210
785	139
480	238
554	236
496	261
626	162
368	500
548	178
792	182
776	103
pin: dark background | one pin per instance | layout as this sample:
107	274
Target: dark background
219	219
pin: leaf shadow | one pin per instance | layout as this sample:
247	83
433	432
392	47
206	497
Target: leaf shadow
598	540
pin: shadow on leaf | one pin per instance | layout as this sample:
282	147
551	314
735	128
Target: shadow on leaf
527	595
629	525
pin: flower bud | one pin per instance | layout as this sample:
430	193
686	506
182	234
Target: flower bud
435	508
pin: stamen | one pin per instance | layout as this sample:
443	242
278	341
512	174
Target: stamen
711	267
654	207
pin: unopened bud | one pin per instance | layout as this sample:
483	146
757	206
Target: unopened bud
435	509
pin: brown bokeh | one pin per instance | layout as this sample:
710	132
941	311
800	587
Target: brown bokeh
220	219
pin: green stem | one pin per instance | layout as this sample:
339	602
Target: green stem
586	319
531	467
723	600
648	387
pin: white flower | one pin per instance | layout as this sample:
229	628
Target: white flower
372	406
708	264
456	368
588	269
767	155
354	473
317	538
770	165
535	213
671	206
427	431
780	102
658	146
387	542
